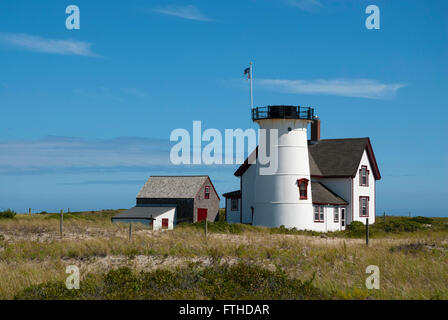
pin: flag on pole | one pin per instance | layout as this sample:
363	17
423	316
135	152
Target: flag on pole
247	71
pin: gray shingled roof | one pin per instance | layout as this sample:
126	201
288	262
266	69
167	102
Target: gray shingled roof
142	212
336	157
314	169
172	187
321	194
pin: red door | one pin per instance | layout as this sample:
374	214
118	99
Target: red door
202	214
164	223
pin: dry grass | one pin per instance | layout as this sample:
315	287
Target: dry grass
32	252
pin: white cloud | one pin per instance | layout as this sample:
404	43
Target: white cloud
66	153
361	88
40	44
189	12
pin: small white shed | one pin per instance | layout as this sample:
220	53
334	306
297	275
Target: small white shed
157	218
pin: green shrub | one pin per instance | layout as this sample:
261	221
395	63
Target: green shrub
221	227
402	225
7	214
356	229
222	215
423	220
240	281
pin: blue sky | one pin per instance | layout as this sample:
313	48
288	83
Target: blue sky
87	114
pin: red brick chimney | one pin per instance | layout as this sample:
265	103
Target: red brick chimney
315	130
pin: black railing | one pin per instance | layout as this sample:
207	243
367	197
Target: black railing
282	112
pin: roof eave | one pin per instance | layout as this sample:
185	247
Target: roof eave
330	203
376	170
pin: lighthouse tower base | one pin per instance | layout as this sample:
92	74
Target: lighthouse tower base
284	214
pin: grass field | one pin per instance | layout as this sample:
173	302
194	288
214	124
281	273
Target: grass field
235	262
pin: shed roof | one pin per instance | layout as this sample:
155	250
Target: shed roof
322	195
143	212
233	194
173	187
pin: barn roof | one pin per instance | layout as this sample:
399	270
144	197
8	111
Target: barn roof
334	158
322	195
173	187
143	212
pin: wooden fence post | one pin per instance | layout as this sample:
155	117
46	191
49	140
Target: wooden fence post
61	221
29	211
367	232
130	231
384	215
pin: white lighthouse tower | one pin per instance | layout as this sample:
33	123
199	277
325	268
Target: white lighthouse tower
283	197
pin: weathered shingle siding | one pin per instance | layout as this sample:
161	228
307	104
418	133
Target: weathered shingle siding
211	204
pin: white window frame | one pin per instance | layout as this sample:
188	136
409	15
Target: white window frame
320	212
336	214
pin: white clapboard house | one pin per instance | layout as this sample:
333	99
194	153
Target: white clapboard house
320	184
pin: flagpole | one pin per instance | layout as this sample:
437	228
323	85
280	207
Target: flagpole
251	90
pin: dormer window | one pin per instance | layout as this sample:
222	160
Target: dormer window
207	192
303	188
364	176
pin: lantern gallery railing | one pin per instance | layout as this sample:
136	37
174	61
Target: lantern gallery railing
282	112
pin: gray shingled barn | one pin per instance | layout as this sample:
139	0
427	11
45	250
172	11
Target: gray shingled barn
194	199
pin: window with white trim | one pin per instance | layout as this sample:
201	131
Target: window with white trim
207	193
336	214
318	214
